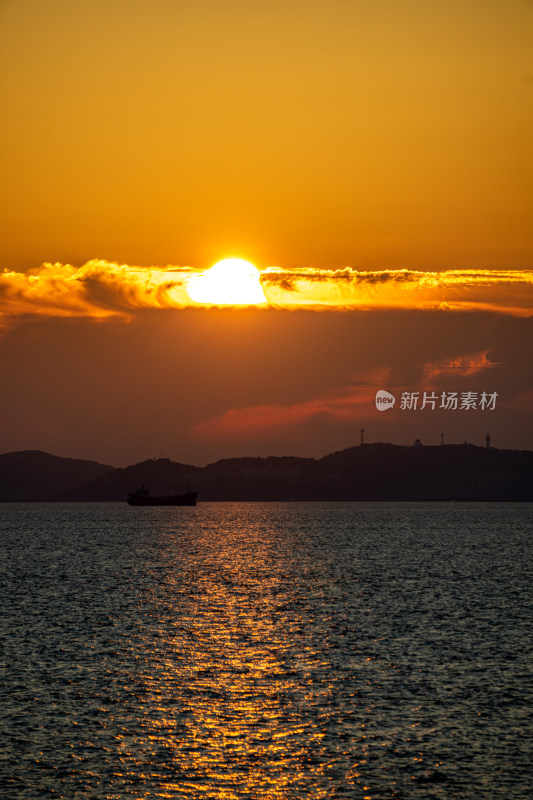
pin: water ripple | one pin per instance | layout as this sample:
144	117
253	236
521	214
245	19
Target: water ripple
377	651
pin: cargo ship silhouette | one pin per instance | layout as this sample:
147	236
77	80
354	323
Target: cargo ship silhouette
142	497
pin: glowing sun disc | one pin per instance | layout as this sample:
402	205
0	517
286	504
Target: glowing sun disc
231	282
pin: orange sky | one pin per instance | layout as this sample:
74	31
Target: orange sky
372	159
297	133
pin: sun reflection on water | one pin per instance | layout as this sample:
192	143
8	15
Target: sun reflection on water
242	724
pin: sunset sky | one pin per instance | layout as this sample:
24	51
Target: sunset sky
372	160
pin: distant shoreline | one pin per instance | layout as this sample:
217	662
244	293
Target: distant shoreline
365	473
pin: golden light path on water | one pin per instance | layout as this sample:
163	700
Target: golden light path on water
238	728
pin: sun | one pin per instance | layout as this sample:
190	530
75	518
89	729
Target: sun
231	282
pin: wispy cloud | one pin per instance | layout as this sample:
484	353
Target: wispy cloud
237	422
101	289
462	365
353	403
505	291
98	289
346	404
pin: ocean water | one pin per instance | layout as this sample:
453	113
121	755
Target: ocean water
255	650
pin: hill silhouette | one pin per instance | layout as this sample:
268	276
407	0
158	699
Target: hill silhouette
34	475
366	472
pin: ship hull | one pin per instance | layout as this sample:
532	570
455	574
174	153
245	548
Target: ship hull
188	499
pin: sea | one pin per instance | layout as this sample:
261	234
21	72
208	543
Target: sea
266	650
